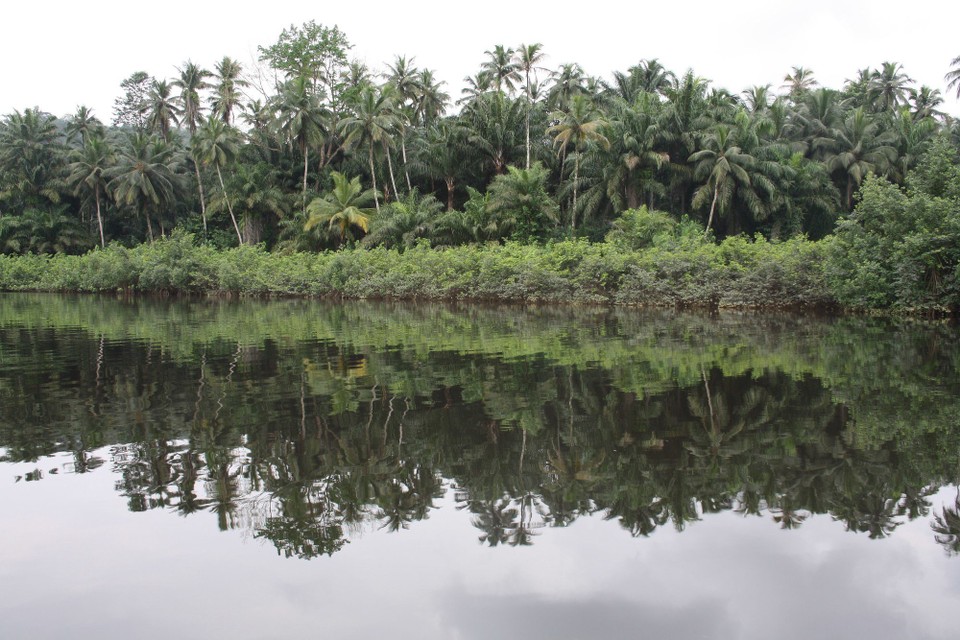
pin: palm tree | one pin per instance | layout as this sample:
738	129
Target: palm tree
496	129
145	176
568	82
925	102
520	201
89	171
191	82
889	87
216	144
527	59
227	88
503	69
406	81
301	120
953	76
858	148
638	142
728	172
798	82
580	125
162	109
342	208
31	159
405	221
47	230
442	153
255	196
372	123
83	124
431	100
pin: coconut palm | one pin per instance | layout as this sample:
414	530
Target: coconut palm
527	59
638	142
581	124
503	69
88	172
341	209
82	125
301	120
191	81
888	87
953	76
372	123
162	109
227	89
217	144
431	100
798	82
568	82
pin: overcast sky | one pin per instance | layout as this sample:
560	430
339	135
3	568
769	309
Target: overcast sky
61	54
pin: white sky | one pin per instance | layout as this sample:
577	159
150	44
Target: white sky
61	54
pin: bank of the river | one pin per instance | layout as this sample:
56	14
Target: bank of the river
734	273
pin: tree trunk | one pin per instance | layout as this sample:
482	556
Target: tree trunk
403	153
203	201
450	185
229	206
576	176
306	160
528	118
373	177
633	198
716	191
96	195
393	181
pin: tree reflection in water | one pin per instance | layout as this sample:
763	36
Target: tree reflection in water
306	429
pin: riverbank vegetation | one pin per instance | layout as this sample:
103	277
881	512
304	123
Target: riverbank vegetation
311	174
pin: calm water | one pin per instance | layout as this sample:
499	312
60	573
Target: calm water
297	469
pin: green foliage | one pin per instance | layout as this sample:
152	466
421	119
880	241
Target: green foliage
897	250
519	199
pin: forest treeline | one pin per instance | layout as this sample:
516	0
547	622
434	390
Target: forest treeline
309	151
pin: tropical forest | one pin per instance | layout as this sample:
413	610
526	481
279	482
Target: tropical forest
309	173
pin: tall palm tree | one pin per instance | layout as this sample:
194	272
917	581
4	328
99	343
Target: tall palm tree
88	171
191	81
582	123
301	120
568	82
405	79
431	101
953	76
496	129
889	87
227	90
372	124
162	109
527	60
799	81
503	69
342	208
217	144
82	125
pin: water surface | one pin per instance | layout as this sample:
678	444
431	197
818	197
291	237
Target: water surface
262	470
